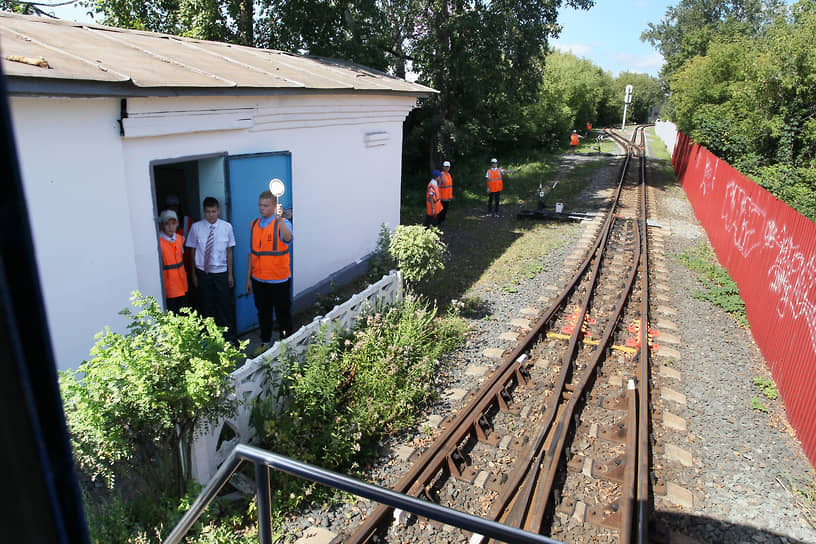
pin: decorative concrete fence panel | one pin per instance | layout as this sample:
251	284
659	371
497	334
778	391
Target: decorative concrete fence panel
257	377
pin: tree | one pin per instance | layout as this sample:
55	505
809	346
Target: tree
688	28
141	395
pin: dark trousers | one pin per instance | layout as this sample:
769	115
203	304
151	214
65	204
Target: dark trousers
430	220
493	197
177	303
216	300
271	300
440	219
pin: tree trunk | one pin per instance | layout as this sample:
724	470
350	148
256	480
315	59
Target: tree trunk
246	22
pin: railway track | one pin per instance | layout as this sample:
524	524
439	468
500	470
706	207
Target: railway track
556	441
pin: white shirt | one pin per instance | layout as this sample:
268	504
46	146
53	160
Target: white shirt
224	238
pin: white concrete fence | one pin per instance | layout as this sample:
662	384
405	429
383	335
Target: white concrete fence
256	379
667	131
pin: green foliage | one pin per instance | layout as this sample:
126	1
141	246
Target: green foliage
117	519
418	251
381	262
143	393
796	186
688	28
768	387
719	288
757	405
351	389
747	92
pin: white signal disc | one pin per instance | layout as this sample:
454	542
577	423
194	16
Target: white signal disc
276	187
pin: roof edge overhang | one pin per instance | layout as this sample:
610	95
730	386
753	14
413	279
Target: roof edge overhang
26	86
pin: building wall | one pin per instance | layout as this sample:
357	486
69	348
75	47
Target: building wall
346	161
70	157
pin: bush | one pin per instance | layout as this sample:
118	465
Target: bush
352	388
381	261
137	401
418	251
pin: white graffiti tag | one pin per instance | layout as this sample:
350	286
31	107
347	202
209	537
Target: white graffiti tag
709	176
792	278
741	217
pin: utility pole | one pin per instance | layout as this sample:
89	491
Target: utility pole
626	101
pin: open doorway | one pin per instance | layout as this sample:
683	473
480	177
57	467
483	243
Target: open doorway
181	185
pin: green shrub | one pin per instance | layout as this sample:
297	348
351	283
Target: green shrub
352	388
381	261
136	402
418	251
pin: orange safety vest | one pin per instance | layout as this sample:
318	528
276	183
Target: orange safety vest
433	205
494	180
574	139
175	277
446	187
589	126
270	255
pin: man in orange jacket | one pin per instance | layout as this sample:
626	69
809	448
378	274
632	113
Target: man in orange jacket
269	274
433	202
574	137
173	272
445	191
495	185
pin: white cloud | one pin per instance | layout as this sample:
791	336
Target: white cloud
653	61
577	49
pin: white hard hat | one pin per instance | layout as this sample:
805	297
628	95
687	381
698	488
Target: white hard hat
494	160
446	163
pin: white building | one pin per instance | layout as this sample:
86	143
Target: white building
110	122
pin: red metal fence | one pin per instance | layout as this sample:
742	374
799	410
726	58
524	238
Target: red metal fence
769	249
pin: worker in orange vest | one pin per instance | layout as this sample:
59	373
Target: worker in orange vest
495	185
445	191
269	275
589	128
172	251
574	140
433	201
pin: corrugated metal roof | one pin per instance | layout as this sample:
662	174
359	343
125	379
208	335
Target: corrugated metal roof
102	55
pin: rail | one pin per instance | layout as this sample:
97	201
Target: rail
264	460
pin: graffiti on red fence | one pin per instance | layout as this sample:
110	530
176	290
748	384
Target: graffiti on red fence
770	251
793	276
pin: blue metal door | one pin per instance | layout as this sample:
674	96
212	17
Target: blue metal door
249	175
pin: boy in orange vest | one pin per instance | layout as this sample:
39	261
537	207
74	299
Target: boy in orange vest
172	251
433	202
445	192
574	140
269	275
495	184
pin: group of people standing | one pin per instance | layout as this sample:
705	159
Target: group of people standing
439	192
207	247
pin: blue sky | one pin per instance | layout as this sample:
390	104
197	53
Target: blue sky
608	34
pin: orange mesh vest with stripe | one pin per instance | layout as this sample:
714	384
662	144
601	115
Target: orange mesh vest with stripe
446	186
433	204
175	277
270	255
494	180
574	139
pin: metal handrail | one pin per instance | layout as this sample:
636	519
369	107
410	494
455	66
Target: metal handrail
264	460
